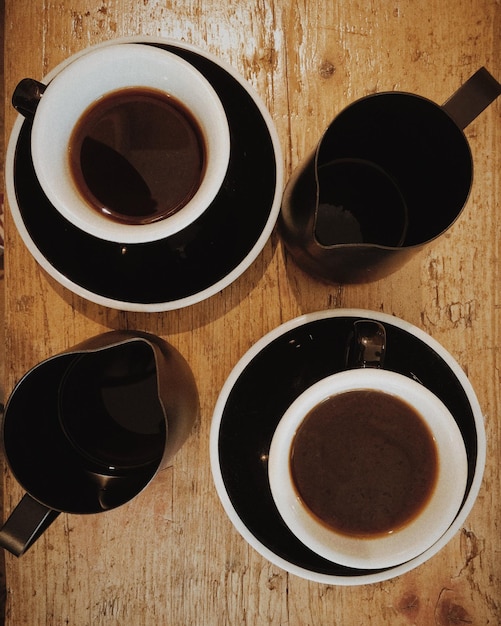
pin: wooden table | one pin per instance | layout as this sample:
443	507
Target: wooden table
172	556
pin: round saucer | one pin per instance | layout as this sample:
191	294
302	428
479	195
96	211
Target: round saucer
270	376
185	268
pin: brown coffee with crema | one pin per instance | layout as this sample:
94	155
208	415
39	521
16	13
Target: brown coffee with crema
364	463
137	155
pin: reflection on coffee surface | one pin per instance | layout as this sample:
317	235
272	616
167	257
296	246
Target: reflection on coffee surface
364	463
137	155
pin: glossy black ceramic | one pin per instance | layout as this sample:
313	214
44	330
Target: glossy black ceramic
188	263
250	408
420	146
60	424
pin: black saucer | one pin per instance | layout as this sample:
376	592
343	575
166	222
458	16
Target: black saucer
269	378
181	269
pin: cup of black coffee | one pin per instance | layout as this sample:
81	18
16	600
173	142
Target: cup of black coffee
129	142
368	467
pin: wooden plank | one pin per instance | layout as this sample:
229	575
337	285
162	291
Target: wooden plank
172	556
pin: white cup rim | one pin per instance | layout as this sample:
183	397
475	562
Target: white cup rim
414	538
105	70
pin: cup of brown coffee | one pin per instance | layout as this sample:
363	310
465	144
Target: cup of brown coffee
368	468
130	142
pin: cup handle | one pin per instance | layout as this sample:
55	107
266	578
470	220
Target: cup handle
366	345
472	98
25	524
27	95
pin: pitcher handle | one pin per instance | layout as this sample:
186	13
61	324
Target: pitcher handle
25	524
472	98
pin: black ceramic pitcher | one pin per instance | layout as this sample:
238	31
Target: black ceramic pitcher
86	430
392	172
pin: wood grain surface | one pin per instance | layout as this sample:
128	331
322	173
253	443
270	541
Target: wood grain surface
171	556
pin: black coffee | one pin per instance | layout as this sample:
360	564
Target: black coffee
364	463
110	412
359	203
137	155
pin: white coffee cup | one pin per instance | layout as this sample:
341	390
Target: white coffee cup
88	79
402	543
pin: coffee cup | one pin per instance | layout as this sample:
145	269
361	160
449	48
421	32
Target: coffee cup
87	430
129	142
367	467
